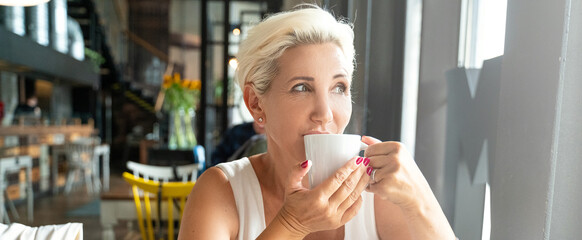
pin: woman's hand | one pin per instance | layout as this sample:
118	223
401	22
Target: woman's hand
329	205
397	178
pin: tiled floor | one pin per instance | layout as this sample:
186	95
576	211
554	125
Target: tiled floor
52	209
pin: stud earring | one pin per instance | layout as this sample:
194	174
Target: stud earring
260	119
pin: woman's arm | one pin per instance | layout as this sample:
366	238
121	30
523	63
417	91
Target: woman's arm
390	221
399	182
210	211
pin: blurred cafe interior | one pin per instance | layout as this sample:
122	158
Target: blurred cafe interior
484	94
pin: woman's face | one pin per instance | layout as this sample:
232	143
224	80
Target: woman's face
309	95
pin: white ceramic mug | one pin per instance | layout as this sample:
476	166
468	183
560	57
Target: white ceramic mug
329	152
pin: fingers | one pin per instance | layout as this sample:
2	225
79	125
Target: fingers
356	193
379	189
333	183
370	140
384	159
296	176
392	188
352	210
383	166
350	185
383	148
323	214
396	175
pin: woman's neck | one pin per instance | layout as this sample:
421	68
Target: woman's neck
272	174
273	168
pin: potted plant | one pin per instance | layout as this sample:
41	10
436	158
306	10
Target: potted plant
181	98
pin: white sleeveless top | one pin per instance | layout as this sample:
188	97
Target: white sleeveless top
251	214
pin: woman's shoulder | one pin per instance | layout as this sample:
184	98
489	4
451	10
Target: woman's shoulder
238	170
213	188
213	180
211	207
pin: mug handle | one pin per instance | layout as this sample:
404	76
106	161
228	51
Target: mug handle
363	146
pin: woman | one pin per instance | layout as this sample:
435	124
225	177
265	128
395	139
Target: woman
295	69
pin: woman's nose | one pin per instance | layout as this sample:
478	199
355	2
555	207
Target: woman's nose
322	112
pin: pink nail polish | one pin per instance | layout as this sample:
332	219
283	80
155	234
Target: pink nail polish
359	160
369	170
304	164
366	161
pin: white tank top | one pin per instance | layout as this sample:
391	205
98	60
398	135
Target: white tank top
251	215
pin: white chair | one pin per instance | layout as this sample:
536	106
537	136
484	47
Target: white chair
102	150
77	154
182	173
14	165
80	161
151	174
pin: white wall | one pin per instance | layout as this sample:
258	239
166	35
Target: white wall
535	181
438	54
535	178
567	204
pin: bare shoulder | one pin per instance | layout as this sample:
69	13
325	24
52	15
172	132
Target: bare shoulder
390	221
210	211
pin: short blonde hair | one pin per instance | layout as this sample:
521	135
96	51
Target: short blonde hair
266	42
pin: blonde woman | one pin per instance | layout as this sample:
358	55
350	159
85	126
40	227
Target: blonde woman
295	69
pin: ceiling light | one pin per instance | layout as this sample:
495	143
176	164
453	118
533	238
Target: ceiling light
236	31
233	62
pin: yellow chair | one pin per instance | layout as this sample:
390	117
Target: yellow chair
168	192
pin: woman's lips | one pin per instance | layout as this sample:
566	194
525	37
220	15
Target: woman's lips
316	132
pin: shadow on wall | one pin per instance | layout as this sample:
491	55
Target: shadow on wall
473	106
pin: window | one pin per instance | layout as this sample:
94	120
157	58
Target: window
482	32
482	37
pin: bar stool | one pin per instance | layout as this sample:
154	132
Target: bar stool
14	165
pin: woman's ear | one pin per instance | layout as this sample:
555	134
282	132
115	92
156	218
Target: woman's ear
253	103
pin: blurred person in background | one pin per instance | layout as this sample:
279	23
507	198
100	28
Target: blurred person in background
28	109
236	141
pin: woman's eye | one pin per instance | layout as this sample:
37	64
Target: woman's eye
299	88
340	88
